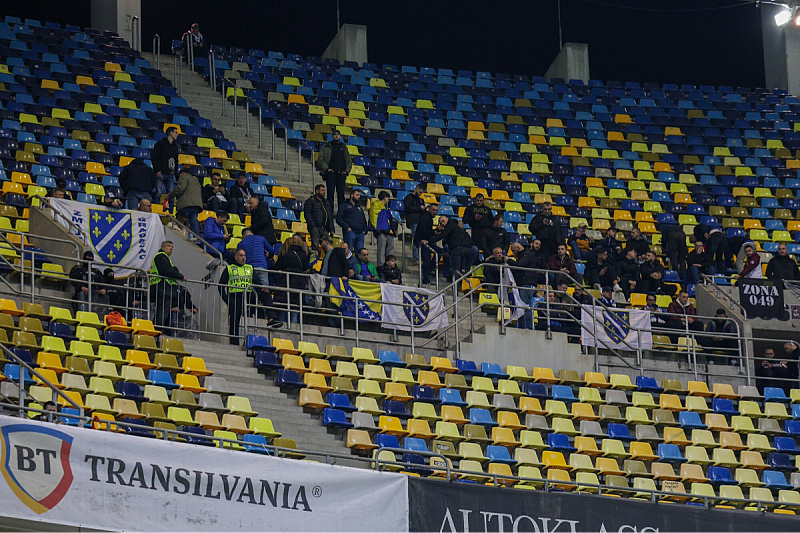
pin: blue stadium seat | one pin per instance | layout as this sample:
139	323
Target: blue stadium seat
468	368
288	379
259	342
341	402
493	370
334	418
499	454
384	440
390	359
451	397
563	393
559	442
162	378
719	475
775	394
425	394
723	406
396	408
619	431
774	479
690	420
647	383
481	417
536	390
670	453
265	362
255	444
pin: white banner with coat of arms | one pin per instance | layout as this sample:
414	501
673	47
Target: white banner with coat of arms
622	329
421	307
119	237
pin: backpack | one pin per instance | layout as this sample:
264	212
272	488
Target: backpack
385	222
114	318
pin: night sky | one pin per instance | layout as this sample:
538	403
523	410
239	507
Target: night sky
680	41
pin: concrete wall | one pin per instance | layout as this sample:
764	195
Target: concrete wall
350	44
572	62
116	16
774	44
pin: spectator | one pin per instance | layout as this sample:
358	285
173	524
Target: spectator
50	414
771	372
638	242
791	355
334	164
682	314
752	264
563	263
389	273
292	260
61	190
782	266
479	217
352	260
261	220
257	251
189	196
164	278
721	324
491	267
424	231
497	235
116	294
674	241
198	43
699	262
215	195
413	207
547	228
59	194
138	181
145	206
462	252
581	244
717	248
240	195
365	269
353	222
529	258
81	274
165	163
563	313
335	263
380	218
215	235
652	272
319	217
113	198
657	317
629	274
600	271
607	297
613	246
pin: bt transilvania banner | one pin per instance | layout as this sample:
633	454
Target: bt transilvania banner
87	478
118	237
458	507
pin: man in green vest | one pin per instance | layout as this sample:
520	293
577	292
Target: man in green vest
164	278
234	283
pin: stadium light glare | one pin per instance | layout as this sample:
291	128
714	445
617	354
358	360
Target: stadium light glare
783	16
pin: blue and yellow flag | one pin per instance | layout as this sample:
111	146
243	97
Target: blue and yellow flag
360	289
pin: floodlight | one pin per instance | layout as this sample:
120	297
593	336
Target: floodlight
783	16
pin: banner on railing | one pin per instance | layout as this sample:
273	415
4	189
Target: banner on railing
84	478
762	298
624	329
118	237
429	313
509	295
356	289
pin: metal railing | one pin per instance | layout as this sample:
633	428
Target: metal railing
212	73
248	101
136	33
189	50
177	71
157	50
439	465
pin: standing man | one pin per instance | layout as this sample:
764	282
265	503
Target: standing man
497	235
164	278
198	43
335	263
165	163
81	274
380	217
319	217
781	266
717	248
352	220
526	280
189	196
479	217
412	209
424	231
138	181
674	242
752	263
547	229
261	221
215	235
334	163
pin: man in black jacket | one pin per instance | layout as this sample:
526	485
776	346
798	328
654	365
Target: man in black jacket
424	232
462	252
497	236
611	244
335	263
491	267
479	217
319	217
353	221
261	220
527	280
215	195
334	164
638	242
628	272
80	275
653	275
137	181
699	262
781	266
673	241
600	271
165	163
547	229
412	210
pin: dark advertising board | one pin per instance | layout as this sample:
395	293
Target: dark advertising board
459	507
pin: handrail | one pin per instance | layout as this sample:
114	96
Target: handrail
233	85
136	33
174	222
708	282
189	50
248	99
212	74
421	264
157	50
377	464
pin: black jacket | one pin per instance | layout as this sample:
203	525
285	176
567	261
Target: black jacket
453	236
528	258
241	192
165	156
593	268
80	275
319	214
425	229
484	222
546	232
165	269
208	193
261	223
387	274
412	209
491	271
613	246
137	176
640	245
647	269
497	237
627	270
703	259
295	261
337	264
353	217
782	267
